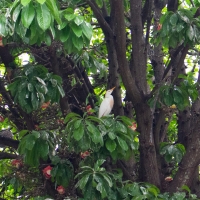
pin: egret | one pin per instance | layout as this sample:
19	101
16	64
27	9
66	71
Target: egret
107	104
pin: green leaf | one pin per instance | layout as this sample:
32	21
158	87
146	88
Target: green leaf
110	145
34	101
22	133
185	187
78	133
173	41
95	133
30	141
77	42
25	2
119	127
3	26
43	148
77	30
64	34
61	91
190	33
47	39
78	20
122	143
77	123
168	157
101	189
126	120
167	97
28	14
70	16
30	87
83	181
40	80
43	17
178	98
99	3
98	164
179	27
71	116
16	12
41	1
180	147
54	10
36	134
87	30
174	19
112	135
107	179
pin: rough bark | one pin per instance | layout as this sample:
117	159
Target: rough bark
9	142
191	159
139	51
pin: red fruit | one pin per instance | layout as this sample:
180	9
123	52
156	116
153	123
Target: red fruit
37	128
60	121
88	109
168	179
1	119
61	189
17	163
159	26
47	172
1	41
85	154
134	126
45	105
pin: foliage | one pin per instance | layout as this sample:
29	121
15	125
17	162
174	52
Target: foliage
62	172
33	86
74	53
178	27
27	19
35	146
93	181
107	135
171	151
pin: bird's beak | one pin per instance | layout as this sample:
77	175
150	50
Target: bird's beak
113	88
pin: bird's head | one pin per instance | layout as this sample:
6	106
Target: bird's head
109	92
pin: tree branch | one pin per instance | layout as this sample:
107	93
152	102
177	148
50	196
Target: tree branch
4	155
120	46
139	51
9	142
97	12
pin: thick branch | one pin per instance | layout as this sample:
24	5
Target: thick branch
57	70
4	155
172	5
97	12
146	11
139	53
9	142
120	46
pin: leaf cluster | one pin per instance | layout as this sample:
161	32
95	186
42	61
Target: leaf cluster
172	151
33	23
35	146
107	135
33	86
179	27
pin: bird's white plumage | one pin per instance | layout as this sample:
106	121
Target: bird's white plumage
107	104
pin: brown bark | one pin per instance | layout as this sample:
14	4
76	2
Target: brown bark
9	142
191	159
4	155
139	51
64	105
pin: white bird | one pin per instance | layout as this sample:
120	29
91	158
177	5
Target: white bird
107	104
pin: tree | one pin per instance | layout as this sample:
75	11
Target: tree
148	50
